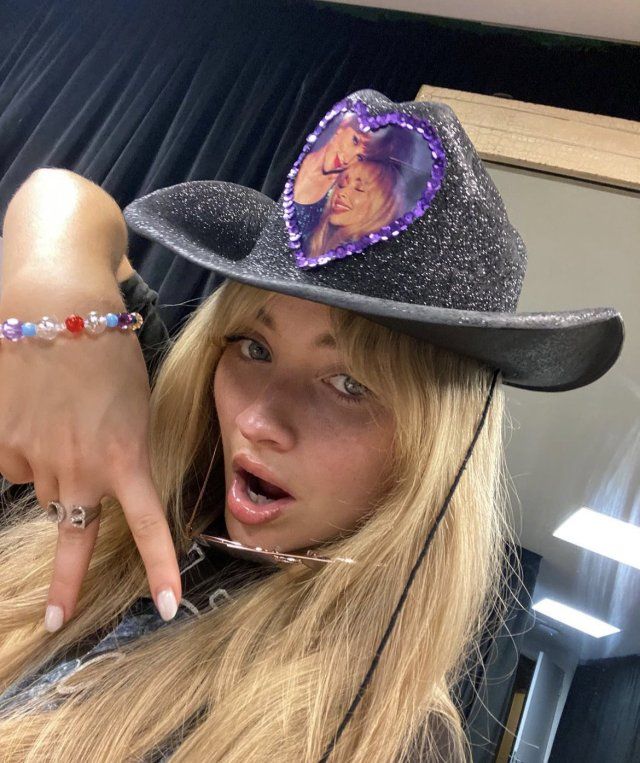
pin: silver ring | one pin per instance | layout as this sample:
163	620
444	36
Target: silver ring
79	516
56	511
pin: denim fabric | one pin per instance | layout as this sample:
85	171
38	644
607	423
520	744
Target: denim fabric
140	619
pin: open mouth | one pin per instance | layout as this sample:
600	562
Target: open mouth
260	491
253	500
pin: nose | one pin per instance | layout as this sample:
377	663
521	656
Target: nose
343	188
267	420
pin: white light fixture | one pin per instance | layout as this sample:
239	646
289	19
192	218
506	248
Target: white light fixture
605	535
575	618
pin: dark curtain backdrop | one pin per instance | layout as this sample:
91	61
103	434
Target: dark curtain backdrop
604	694
141	94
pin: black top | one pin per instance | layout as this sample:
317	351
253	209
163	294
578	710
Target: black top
154	337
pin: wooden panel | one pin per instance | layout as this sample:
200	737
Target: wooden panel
564	142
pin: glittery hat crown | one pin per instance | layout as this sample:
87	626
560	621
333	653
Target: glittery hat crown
388	211
392	201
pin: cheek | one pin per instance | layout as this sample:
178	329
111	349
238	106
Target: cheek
372	205
228	395
347	474
378	204
360	203
354	467
219	398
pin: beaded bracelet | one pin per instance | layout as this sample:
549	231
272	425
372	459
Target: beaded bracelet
48	327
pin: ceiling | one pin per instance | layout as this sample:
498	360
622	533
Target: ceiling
612	20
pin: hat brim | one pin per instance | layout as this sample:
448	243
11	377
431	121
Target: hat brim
217	224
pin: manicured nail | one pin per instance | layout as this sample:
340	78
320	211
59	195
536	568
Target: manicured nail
167	604
53	618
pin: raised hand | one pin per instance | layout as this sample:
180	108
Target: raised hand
75	411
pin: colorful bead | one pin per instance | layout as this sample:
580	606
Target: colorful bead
124	320
47	328
95	323
74	324
29	329
12	329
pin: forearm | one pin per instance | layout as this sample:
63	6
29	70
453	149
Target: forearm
63	232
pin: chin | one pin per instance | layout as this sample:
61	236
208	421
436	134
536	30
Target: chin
268	535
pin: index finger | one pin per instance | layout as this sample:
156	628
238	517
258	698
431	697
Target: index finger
150	529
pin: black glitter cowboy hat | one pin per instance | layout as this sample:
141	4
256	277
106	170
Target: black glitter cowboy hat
389	211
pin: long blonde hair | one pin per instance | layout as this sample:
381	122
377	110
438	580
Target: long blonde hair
271	674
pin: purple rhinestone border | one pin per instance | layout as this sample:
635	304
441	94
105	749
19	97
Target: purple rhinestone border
367	122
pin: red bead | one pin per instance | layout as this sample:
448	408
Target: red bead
74	323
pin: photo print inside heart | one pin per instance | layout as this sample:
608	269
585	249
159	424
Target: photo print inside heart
359	180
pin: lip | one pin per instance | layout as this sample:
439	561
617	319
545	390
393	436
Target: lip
238	501
339	206
337	162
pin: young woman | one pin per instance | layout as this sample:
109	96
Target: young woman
366	197
347	145
331	157
287	423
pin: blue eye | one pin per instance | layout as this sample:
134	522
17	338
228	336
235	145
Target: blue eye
233	338
253	344
354	391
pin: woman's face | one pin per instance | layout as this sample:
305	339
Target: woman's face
288	410
357	196
346	146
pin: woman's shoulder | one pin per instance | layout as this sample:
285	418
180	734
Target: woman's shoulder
154	336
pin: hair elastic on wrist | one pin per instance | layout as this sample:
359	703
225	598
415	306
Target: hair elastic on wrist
49	328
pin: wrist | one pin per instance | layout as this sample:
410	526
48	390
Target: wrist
50	327
29	300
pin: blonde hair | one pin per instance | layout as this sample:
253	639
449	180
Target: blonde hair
271	674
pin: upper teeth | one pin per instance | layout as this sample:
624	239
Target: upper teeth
257	498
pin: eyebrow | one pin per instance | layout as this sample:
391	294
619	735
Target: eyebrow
324	340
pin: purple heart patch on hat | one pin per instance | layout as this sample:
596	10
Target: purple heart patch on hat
359	179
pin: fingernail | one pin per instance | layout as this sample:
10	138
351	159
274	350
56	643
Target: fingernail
167	604
53	618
